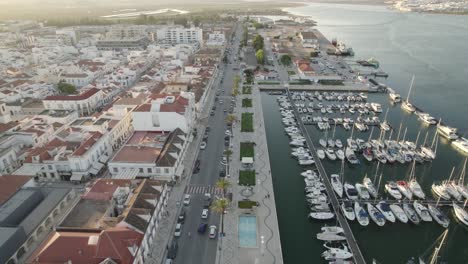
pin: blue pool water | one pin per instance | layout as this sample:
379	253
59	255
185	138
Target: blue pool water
247	231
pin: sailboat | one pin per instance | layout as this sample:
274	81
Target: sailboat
430	151
385	209
385	125
336	184
460	186
411	213
348	211
460	213
414	185
422	211
438	215
435	255
361	214
399	213
406	105
375	215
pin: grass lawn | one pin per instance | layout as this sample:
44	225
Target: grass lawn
246	89
246	102
246	204
246	150
247	178
247	122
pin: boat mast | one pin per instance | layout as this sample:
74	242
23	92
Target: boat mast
434	139
390	136
334	128
342	171
411	87
404	135
425	138
399	130
378	185
451	174
371	132
417	138
376	171
437	249
462	174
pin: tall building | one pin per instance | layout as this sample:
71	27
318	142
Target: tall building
180	35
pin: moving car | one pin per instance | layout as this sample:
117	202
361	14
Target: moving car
204	214
202	228
187	199
181	218
213	229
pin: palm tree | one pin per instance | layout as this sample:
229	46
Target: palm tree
223	184
231	119
219	206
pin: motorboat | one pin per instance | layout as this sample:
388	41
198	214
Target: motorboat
394	97
348	211
361	214
380	156
352	144
336	184
321	153
370	187
460	213
449	133
438	215
407	106
411	213
330	237
306	162
331	143
362	191
336	253
338	143
385	209
346	126
330	154
375	215
350	191
332	229
323	142
461	145
376	107
317	200
422	211
361	127
416	189
452	191
324	207
399	213
308	173
440	191
350	156
385	126
296	143
392	189
340	154
321	215
404	189
427	119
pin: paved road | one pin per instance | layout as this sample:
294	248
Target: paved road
198	248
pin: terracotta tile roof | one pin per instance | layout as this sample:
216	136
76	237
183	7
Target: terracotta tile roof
88	247
9	184
79	97
137	154
103	189
95	136
143	108
7	126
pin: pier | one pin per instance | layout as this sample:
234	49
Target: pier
353	245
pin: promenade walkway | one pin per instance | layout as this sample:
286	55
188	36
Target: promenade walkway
268	246
353	245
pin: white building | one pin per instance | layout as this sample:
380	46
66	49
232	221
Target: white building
180	35
216	39
85	103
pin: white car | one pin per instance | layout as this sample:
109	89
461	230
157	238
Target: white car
203	145
213	229
187	199
227	133
204	214
178	230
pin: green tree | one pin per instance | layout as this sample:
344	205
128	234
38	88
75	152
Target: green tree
258	42
260	56
223	184
286	60
219	206
66	88
231	119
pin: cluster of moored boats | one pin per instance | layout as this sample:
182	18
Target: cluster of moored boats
336	249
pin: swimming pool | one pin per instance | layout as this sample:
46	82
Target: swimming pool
247	231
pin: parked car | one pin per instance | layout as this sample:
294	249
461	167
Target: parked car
187	199
202	228
222	173
205	213
203	145
212	113
228	132
178	230
196	167
168	261
172	250
213	229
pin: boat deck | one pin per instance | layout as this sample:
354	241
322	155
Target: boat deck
353	245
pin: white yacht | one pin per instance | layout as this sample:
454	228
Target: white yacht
362	191
361	214
338	143
440	191
336	253
385	126
330	237
330	154
376	107
370	187
351	156
348	211
460	213
308	173
350	191
461	144
323	142
411	213
331	143
336	184
407	106
396	98
332	229
427	119
447	132
375	215
438	215
392	189
422	211
321	215
321	154
404	189
416	189
399	213
340	154
385	209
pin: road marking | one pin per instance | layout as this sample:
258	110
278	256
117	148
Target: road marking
201	189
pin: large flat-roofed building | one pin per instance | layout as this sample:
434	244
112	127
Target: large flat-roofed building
180	35
84	103
27	214
124	38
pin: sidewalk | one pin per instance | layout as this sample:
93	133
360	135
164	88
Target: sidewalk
268	246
